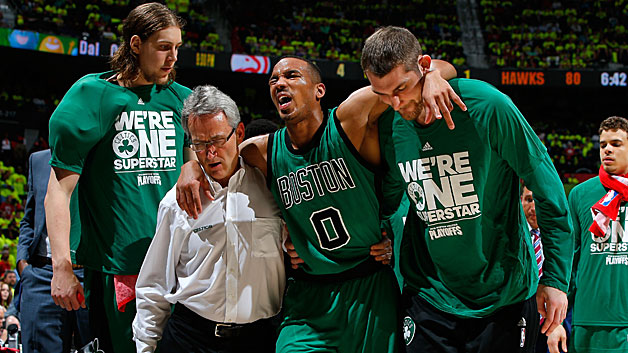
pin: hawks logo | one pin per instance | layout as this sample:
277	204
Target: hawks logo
408	329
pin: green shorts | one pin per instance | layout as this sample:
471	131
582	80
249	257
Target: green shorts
358	315
599	339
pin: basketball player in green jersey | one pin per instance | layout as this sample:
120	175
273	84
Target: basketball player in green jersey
119	132
599	266
467	258
321	171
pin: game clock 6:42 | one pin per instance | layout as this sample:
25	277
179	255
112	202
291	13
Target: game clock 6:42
613	79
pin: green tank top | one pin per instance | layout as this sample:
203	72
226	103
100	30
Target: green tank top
326	193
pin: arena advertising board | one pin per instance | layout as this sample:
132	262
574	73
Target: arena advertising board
103	47
257	64
50	43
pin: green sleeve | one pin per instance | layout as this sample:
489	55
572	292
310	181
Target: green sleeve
75	126
575	235
514	140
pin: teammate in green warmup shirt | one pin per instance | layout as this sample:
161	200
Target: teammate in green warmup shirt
467	260
600	316
119	133
326	188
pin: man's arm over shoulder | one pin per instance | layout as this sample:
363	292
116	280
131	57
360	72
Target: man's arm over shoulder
157	277
358	114
254	151
364	105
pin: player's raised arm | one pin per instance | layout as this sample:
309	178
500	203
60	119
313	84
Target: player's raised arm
359	112
437	95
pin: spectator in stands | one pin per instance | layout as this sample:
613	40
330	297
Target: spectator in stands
6	296
6	148
4	260
513	29
8	207
3	331
9	278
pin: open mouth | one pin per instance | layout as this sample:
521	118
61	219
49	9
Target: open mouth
284	100
214	165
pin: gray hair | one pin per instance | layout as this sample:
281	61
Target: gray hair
389	47
208	99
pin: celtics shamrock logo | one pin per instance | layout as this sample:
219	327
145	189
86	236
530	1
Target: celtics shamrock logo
408	329
125	144
416	193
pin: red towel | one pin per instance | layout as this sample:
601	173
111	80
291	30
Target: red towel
125	289
607	208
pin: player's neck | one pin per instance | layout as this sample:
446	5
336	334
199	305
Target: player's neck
139	81
301	131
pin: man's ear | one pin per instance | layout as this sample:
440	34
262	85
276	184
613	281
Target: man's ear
320	90
240	133
135	43
424	63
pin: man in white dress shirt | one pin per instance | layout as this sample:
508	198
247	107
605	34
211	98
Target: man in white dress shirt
224	270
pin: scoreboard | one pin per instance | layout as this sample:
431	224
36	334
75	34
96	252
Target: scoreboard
550	78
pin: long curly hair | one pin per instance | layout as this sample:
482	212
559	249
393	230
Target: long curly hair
142	21
7	302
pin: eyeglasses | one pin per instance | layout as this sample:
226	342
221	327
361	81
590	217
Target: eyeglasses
217	143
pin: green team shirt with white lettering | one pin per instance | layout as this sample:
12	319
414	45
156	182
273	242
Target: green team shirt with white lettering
600	264
326	193
127	144
466	247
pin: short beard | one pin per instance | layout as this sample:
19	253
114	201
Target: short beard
416	113
154	78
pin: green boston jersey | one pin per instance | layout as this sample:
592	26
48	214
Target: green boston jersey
326	194
600	264
466	247
127	144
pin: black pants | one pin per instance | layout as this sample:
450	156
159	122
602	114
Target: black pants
187	331
512	329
